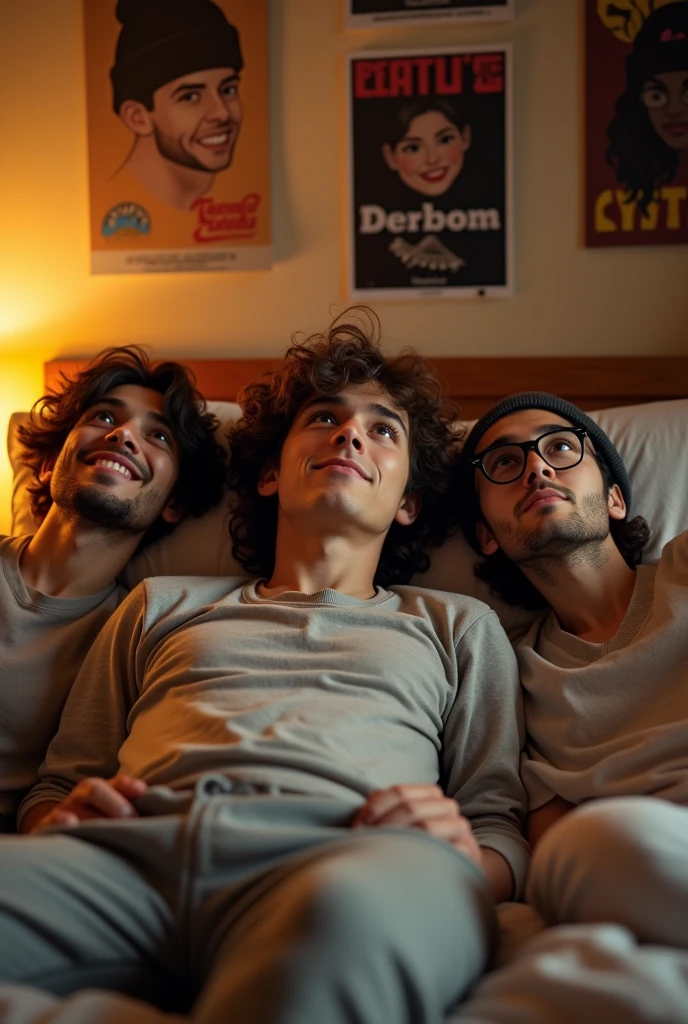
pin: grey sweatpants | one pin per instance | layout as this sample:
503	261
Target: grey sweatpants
622	860
267	906
611	878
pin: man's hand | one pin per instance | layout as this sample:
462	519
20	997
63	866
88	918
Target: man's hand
95	798
422	807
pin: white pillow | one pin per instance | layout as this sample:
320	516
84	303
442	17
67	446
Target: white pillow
22	520
651	439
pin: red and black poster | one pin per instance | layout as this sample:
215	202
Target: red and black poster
430	173
365	13
636	122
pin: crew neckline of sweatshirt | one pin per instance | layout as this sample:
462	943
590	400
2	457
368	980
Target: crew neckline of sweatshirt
29	597
636	614
320	599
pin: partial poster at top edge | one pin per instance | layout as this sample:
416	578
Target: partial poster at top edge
430	173
368	13
178	135
636	122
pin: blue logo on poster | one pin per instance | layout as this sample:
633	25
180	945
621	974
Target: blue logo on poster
126	219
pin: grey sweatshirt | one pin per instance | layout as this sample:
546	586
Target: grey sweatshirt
43	641
322	694
612	719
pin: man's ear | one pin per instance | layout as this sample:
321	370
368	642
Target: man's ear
136	117
267	484
46	471
488	544
617	505
173	511
409	510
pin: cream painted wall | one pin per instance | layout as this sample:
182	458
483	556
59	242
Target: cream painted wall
568	300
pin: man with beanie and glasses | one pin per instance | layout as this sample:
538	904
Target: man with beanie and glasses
175	85
546	499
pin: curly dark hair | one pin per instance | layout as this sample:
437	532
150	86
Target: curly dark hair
202	461
508	581
641	159
347	353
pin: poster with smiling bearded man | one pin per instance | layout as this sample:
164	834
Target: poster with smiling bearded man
177	109
430	173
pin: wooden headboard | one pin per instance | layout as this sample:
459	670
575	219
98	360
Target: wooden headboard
477	383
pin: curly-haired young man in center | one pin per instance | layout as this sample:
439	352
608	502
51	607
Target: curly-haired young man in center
325	758
314	373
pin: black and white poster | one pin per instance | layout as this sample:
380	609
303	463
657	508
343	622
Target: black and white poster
367	13
430	173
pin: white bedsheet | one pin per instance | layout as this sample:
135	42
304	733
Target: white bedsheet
577	974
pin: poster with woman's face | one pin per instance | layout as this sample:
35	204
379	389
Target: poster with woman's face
430	173
177	108
366	13
636	122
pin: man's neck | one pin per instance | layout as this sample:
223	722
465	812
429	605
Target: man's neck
309	563
176	185
67	559
589	592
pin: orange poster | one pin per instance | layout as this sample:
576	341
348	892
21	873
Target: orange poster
178	135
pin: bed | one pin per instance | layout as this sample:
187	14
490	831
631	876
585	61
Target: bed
642	404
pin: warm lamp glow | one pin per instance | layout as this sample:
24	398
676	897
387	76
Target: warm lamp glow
13	318
21	383
21	311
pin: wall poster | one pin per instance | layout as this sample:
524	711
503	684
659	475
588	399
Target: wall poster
177	113
366	13
636	122
430	173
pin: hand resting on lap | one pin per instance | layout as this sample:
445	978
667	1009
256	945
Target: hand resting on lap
90	798
428	808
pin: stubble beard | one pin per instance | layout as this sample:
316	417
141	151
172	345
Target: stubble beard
576	540
103	510
171	149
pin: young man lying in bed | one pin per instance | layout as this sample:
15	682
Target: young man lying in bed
118	455
263	724
604	670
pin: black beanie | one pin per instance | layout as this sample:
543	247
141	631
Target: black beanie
165	39
469	506
661	44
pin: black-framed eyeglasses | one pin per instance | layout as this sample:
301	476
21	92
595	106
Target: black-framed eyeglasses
504	462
